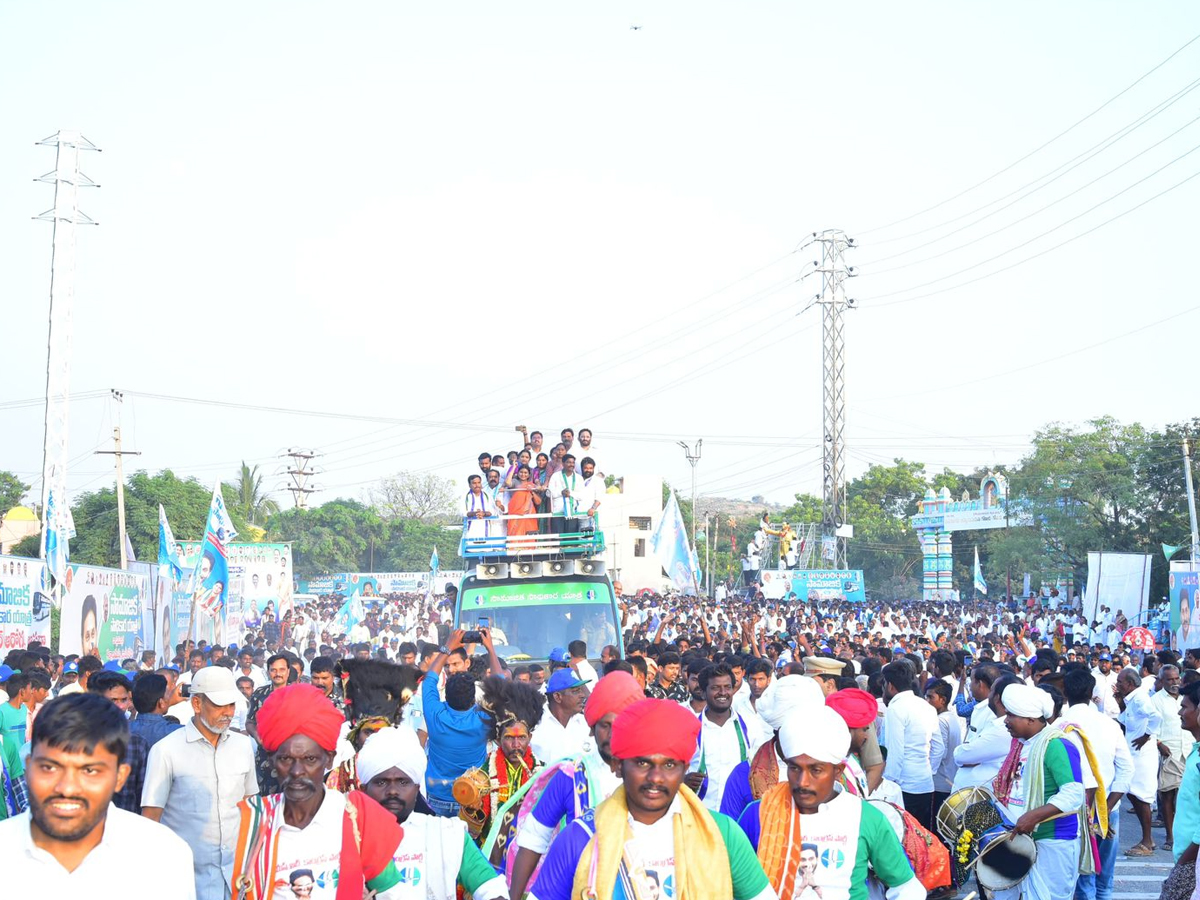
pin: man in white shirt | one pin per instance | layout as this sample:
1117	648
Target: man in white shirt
913	740
73	841
1142	721
1174	745
563	487
563	731
724	740
1106	683
1115	767
197	775
591	492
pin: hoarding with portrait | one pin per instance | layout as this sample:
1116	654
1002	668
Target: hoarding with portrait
102	613
24	606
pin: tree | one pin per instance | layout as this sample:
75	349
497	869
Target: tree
338	536
250	500
413	495
12	491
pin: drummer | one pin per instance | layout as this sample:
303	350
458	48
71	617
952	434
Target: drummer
1039	780
810	816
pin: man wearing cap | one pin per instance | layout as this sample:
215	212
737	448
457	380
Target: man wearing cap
653	836
563	733
811	812
1039	781
435	852
825	671
343	844
197	775
577	785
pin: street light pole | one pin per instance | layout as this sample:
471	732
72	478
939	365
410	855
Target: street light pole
693	457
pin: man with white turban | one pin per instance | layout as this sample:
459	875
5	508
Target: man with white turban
1039	781
784	698
436	852
815	840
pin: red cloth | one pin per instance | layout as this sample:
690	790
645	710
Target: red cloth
612	693
653	728
380	835
857	707
298	709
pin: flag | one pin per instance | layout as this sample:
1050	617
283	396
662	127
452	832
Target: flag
210	580
980	583
168	550
130	556
433	571
56	536
670	544
350	614
829	547
1169	551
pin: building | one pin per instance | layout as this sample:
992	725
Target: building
18	523
629	514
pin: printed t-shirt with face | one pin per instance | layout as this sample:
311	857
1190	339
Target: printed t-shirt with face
651	853
307	861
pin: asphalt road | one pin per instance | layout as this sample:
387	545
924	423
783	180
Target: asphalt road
1141	878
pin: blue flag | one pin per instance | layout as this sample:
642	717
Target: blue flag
56	536
980	583
350	614
210	581
670	544
168	550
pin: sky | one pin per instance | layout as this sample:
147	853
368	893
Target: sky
391	232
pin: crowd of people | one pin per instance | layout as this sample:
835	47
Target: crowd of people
745	748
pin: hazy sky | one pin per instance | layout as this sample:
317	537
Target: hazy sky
489	214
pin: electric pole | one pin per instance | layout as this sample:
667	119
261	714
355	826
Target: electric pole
117	453
693	457
64	215
833	302
1191	492
300	471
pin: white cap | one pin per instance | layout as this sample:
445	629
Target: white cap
217	684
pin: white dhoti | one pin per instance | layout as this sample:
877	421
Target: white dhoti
1144	784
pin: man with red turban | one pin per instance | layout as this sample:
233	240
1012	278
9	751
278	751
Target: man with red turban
571	787
652	837
336	845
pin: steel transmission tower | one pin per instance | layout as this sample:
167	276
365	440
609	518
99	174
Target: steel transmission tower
65	215
833	302
300	471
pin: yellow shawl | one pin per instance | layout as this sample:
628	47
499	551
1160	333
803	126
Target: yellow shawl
701	859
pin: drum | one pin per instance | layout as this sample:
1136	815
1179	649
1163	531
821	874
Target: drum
973	808
471	787
1005	858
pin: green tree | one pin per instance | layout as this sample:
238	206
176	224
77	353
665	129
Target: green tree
12	491
413	495
338	536
250	500
30	546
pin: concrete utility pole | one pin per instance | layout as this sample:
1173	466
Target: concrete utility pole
117	453
833	302
693	457
1191	492
65	215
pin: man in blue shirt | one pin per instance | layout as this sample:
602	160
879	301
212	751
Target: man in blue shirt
456	727
150	701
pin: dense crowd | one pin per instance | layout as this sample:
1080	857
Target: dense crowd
720	747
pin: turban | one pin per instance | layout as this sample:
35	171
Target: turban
388	747
612	693
791	694
858	708
822	734
1028	702
653	728
298	709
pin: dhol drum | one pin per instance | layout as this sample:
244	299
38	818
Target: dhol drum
471	787
1005	858
972	809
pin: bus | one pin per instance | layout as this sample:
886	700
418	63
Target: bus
538	591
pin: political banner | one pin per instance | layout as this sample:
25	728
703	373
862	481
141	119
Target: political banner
102	613
1183	588
814	584
260	582
368	583
24	608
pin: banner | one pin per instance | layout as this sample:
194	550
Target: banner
24	607
1183	587
815	584
368	583
260	581
1120	581
102	613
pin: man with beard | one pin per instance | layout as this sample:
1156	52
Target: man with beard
1142	721
834	824
666	684
72	841
345	841
278	670
692	669
577	785
1174	745
435	852
653	831
724	739
198	774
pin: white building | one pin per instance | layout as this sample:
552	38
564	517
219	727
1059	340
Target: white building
628	519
